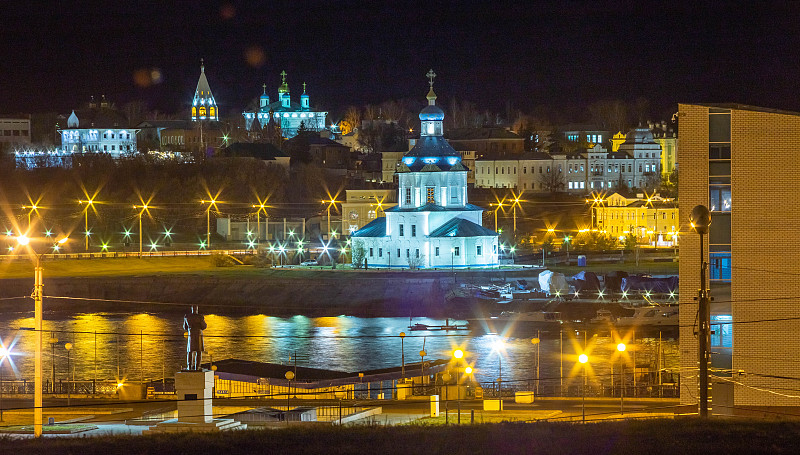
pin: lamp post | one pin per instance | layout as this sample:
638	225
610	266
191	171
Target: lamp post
458	354
68	347
37	325
452	258
143	208
261	207
88	203
566	241
289	376
498	346
621	348
537	342
211	203
31	208
403	355
700	220
329	202
583	358
498	205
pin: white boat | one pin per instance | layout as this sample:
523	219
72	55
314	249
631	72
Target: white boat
651	316
509	322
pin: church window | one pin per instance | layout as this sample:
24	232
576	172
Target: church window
398	252
431	195
113	147
453	194
437	251
194	111
401	230
413	230
416	252
408	195
408	253
211	111
380	252
494	248
479	250
202	111
456	251
430	128
370	252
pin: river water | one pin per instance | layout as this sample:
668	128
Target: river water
146	346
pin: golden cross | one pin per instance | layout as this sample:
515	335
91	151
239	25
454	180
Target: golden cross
430	75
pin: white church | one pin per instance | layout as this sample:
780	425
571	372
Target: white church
432	225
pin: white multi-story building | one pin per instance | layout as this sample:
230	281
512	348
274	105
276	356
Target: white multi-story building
432	225
635	165
286	114
99	129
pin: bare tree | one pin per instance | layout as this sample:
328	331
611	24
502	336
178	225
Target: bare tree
610	114
552	182
352	120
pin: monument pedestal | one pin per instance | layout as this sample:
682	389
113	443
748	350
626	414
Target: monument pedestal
193	391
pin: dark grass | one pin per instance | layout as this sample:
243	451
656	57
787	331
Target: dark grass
631	437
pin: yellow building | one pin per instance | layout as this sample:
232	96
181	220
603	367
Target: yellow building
363	206
654	219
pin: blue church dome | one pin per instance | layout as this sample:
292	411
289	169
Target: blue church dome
431	112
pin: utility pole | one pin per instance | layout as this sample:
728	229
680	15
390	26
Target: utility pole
701	219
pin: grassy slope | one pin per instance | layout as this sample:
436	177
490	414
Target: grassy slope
631	437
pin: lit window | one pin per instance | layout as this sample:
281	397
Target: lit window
431	195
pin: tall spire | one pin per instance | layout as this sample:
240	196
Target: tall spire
204	106
431	95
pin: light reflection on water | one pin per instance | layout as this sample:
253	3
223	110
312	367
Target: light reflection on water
149	346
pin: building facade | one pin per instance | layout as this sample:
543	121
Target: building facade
363	206
98	129
724	151
433	225
290	115
15	131
653	219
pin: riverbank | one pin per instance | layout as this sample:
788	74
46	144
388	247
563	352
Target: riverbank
170	284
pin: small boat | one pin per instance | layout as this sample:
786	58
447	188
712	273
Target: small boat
651	316
509	322
446	327
603	317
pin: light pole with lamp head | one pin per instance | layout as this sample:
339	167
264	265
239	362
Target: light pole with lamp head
144	208
68	347
89	204
328	208
289	376
583	359
24	241
211	203
458	354
700	219
403	355
621	348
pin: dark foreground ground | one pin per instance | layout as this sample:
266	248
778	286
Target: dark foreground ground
679	436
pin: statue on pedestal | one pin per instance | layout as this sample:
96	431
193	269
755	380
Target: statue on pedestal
194	323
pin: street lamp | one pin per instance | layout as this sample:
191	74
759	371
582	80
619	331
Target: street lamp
403	354
211	203
38	288
89	203
700	219
621	348
143	208
498	205
68	347
452	258
584	359
328	208
261	208
32	208
289	376
498	347
566	242
458	354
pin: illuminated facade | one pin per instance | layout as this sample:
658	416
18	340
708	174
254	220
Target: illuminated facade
287	114
432	225
653	219
99	129
204	106
363	206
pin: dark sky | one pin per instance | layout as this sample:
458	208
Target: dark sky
54	55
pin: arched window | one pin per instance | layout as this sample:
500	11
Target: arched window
194	111
202	111
211	111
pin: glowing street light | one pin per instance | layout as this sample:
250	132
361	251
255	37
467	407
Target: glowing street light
498	205
89	204
144	208
211	203
330	202
261	208
38	288
583	359
621	348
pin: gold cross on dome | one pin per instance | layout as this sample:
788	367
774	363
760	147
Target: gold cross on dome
430	75
283	76
264	86
304	87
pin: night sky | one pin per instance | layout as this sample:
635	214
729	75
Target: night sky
562	55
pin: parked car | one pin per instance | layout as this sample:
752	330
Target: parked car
308	263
